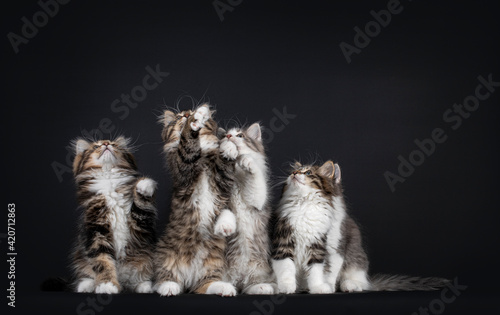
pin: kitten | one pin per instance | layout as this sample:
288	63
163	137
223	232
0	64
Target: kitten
190	255
248	250
316	244
115	244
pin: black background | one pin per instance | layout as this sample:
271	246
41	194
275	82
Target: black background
442	221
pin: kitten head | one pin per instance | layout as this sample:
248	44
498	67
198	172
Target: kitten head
179	118
247	140
309	178
103	154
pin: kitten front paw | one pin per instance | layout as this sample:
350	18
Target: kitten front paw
226	223
168	288
260	289
146	187
107	288
228	149
323	288
221	288
85	285
287	286
144	287
201	116
247	163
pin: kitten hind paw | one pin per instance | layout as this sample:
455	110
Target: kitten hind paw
351	286
221	288
323	288
168	288
261	288
144	287
85	285
106	288
287	287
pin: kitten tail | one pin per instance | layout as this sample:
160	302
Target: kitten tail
383	282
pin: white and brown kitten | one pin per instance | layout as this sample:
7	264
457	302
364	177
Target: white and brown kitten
248	250
115	244
190	255
316	244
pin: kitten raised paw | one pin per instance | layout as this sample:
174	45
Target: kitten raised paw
146	187
323	288
229	150
221	288
106	288
144	287
168	288
247	163
226	223
85	286
201	116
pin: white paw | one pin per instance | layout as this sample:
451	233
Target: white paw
146	187
351	286
228	149
261	288
144	287
323	288
226	223
287	286
201	116
168	288
106	288
221	288
247	163
86	285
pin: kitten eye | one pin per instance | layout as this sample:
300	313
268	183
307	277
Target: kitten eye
96	146
308	173
240	135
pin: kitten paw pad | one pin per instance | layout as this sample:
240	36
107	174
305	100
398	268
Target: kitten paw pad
228	150
262	288
351	286
226	223
323	288
144	287
287	287
146	187
168	288
106	288
221	288
247	163
85	286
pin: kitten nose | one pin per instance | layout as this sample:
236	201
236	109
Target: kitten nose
295	172
105	143
229	136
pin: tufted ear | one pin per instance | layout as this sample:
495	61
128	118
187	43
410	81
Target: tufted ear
254	132
337	175
122	141
327	169
81	145
168	117
296	165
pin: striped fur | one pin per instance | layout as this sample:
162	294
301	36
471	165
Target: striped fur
190	255
116	239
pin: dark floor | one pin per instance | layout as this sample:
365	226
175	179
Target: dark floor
469	301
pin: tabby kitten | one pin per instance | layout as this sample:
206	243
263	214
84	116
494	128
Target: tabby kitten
116	240
316	244
190	255
248	250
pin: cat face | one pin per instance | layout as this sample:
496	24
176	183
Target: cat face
103	154
247	140
307	178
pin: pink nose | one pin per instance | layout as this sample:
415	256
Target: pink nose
105	143
228	136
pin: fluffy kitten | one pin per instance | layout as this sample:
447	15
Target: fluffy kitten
190	255
116	241
248	250
316	244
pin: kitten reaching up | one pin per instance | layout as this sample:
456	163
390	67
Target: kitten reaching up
115	244
316	244
248	250
190	255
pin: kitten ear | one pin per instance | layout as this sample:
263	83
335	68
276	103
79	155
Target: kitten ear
168	117
337	175
296	165
122	141
254	132
221	133
80	145
327	169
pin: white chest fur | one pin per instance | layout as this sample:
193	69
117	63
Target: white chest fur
107	184
203	199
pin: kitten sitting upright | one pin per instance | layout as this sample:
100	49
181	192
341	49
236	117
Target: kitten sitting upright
316	244
117	235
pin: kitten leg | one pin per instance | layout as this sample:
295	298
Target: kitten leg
285	274
172	131
167	274
106	276
225	224
316	280
335	262
354	280
255	192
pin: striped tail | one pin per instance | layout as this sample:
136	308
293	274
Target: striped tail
383	282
